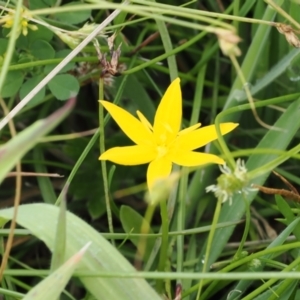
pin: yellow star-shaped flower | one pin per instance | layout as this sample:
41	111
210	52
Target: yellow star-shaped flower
162	144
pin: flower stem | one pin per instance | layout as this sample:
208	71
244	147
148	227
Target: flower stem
248	93
210	242
103	162
283	13
274	163
142	244
181	222
246	231
164	243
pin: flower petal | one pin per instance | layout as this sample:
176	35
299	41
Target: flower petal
129	155
158	169
130	125
189	129
202	136
167	119
144	121
192	159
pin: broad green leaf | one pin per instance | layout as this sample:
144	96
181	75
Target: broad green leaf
13	151
36	4
28	86
52	286
13	82
41	220
64	86
96	207
73	17
132	222
42	33
42	50
61	54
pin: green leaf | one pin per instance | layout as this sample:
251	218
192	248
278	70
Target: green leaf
42	50
3	46
42	33
36	4
96	207
132	223
28	86
61	54
134	90
64	86
73	17
287	212
100	256
59	248
52	286
120	18
13	151
47	190
13	82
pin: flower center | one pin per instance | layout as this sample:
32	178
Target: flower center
163	138
161	151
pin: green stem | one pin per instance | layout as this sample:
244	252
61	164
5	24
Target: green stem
145	228
209	243
77	165
181	222
181	213
283	13
216	89
163	255
246	231
103	162
236	10
274	163
198	95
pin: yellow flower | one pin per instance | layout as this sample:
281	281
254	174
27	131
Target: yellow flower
163	143
23	25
